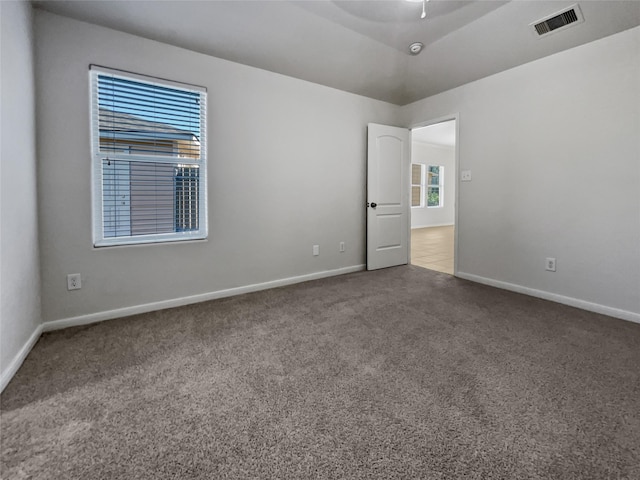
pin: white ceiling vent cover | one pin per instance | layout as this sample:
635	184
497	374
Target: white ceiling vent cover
558	21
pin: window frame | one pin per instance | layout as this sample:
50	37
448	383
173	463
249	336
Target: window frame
420	185
97	157
439	186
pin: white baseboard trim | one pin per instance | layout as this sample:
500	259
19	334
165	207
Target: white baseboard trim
554	297
433	225
178	302
15	364
10	371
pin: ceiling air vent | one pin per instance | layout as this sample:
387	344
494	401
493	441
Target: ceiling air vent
559	21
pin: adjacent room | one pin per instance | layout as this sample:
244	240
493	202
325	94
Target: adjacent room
433	197
320	239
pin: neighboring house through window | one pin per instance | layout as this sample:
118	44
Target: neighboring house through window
149	159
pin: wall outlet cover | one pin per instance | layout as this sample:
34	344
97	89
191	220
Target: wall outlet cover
550	264
74	281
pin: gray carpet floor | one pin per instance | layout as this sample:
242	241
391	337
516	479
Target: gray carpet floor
399	373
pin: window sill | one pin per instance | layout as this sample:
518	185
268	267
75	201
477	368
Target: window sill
150	243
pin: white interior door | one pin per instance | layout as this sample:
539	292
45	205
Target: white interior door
388	162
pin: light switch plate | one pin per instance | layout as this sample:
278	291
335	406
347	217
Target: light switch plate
465	175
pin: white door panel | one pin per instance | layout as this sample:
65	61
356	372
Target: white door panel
388	162
389	175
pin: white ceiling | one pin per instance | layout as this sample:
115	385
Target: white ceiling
443	133
361	46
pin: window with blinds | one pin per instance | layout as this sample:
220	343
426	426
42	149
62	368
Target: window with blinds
149	159
435	175
417	185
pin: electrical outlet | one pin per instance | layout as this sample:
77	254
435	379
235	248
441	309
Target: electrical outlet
550	264
343	247
74	281
316	250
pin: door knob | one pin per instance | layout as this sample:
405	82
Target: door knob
374	204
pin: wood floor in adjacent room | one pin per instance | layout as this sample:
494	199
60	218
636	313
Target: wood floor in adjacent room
432	248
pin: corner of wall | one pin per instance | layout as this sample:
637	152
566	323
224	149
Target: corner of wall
20	299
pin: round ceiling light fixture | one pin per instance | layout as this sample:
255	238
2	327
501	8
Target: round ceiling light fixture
415	48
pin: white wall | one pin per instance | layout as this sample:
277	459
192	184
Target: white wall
19	273
286	171
554	149
445	156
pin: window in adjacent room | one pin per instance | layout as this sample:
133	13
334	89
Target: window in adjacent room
434	186
149	159
417	185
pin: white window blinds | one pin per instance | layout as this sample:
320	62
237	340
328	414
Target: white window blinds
149	159
417	185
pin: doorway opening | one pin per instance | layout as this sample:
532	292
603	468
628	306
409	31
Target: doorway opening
433	196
